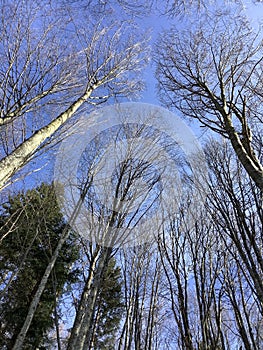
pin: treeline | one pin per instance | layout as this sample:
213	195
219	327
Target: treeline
196	285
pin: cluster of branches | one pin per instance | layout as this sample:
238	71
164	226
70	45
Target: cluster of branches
211	75
204	268
54	62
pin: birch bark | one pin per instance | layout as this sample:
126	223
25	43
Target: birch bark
20	156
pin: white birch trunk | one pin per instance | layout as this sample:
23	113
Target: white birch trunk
20	156
80	332
83	302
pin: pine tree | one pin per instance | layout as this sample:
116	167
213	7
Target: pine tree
30	226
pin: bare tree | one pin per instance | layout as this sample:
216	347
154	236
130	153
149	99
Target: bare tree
144	315
236	205
191	263
213	72
122	203
82	328
51	65
242	302
126	196
211	261
237	216
139	8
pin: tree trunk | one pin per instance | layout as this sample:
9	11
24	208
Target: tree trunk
82	326
252	166
20	156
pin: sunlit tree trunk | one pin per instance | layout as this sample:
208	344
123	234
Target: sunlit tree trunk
44	84
82	329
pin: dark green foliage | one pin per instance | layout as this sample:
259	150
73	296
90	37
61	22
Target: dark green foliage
30	226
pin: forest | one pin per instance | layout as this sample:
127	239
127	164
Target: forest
131	175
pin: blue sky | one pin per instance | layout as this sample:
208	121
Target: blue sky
155	24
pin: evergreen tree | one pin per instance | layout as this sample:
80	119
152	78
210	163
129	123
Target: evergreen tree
30	226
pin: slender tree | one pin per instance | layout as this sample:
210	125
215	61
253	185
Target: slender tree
109	309
144	317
